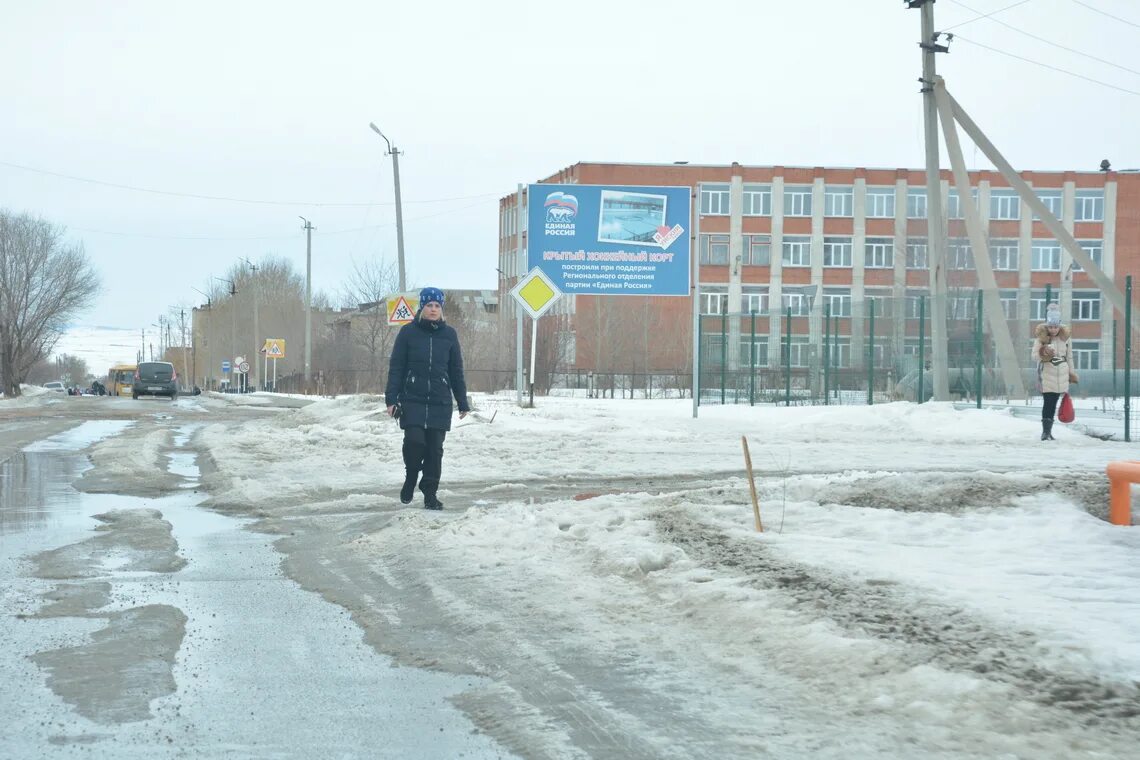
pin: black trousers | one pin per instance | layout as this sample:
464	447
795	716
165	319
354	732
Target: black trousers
423	452
1049	405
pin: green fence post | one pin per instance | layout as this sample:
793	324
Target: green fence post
871	356
826	353
700	359
788	360
752	364
835	344
723	352
1114	360
978	351
921	348
1127	357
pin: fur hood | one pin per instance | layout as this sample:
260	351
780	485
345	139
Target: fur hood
1042	333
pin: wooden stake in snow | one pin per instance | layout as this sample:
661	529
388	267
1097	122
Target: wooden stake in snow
752	484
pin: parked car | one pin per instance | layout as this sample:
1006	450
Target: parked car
155	379
55	385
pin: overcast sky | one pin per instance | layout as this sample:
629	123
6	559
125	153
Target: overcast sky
270	102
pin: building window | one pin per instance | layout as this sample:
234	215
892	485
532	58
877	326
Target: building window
1046	256
880	203
715	302
796	251
958	254
801	351
757	200
714	200
878	253
1008	303
914	305
954	203
1003	254
839	301
962	308
754	352
840	350
756	302
757	250
1037	304
1005	204
714	250
1095	250
884	304
915	204
1090	206
837	252
797	200
1086	354
1053	201
838	201
797	302
1086	306
916	254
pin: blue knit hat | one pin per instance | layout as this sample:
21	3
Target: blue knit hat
427	295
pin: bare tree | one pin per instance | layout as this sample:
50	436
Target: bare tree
44	283
367	290
70	369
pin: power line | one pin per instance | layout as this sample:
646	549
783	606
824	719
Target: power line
1050	42
1103	13
225	198
271	237
983	15
1047	66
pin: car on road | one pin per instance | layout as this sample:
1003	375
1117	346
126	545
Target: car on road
155	379
55	385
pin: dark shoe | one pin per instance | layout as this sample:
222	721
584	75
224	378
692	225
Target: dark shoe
408	489
430	502
1047	430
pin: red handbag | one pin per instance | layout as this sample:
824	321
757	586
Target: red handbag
1066	413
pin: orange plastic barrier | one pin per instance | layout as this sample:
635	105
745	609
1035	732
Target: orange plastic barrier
1121	476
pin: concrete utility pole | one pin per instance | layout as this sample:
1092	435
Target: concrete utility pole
257	341
308	299
395	154
935	223
521	264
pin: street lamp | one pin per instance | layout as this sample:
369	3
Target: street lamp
233	320
308	300
256	327
395	154
194	341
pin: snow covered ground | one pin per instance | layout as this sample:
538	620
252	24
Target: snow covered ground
931	581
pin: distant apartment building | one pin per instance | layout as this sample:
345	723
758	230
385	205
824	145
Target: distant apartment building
835	240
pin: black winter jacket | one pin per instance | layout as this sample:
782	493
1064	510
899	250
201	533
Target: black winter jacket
424	373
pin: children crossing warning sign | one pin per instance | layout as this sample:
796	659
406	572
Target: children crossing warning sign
401	309
274	348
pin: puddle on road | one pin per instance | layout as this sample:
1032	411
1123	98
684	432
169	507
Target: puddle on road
35	483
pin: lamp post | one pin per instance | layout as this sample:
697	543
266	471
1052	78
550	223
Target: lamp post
194	340
308	301
233	323
256	327
395	154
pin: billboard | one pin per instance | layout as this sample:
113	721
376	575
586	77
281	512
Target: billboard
611	239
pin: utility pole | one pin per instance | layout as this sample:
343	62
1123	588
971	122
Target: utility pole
395	154
935	224
308	300
256	328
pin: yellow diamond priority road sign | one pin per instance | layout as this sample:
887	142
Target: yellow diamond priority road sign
536	292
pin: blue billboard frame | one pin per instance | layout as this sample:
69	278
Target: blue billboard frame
626	240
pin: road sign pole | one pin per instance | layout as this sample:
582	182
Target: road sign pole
533	350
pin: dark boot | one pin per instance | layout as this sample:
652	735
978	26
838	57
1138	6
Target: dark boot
413	461
1047	430
433	467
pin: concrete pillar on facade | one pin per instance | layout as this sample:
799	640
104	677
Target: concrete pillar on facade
1065	292
815	320
1023	329
898	282
735	258
775	283
857	348
1108	259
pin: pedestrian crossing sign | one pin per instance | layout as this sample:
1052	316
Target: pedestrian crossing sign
401	309
274	348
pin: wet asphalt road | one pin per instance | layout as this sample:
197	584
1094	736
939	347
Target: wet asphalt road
150	627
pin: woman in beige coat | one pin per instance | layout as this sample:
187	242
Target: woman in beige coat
1053	352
